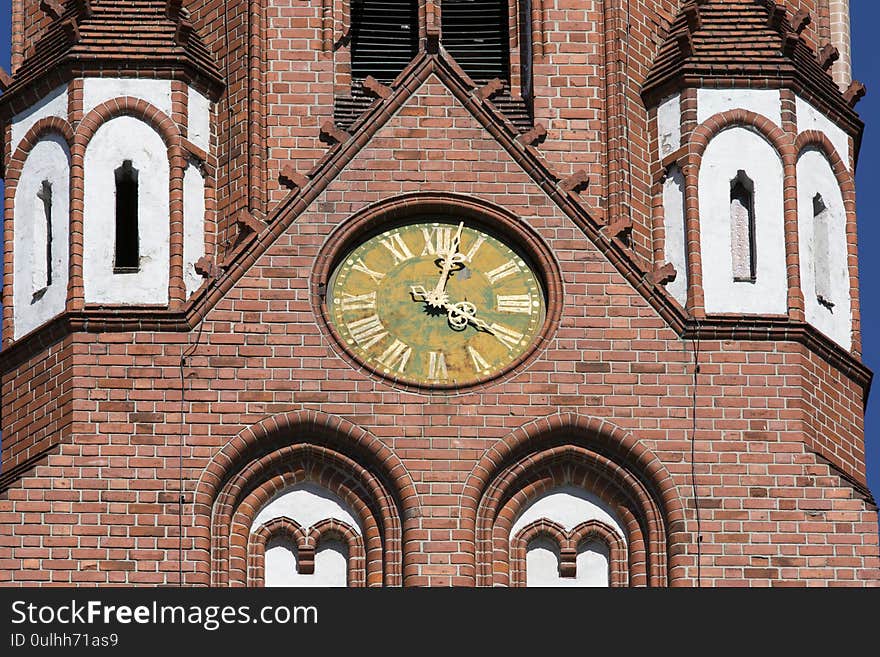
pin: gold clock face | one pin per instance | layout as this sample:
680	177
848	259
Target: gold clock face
436	303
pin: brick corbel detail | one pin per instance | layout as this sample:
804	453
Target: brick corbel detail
183	32
5	79
83	8
291	179
306	561
800	20
685	43
329	132
665	275
376	88
432	28
854	93
619	228
71	30
577	182
198	153
492	87
247	224
173	9
534	136
53	8
789	42
776	15
694	21
827	56
207	267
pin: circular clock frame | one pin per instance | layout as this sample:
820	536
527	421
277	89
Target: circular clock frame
527	248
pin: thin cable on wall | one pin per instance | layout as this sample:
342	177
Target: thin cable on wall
695	341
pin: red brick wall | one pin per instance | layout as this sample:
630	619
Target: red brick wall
772	510
778	453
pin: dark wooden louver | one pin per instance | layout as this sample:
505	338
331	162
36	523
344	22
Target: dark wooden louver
384	37
475	33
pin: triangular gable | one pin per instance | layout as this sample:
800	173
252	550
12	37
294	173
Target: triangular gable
258	237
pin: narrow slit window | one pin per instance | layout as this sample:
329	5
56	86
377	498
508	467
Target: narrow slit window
127	238
821	251
42	276
476	34
742	229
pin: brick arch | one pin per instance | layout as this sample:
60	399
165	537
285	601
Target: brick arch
168	131
598	530
358	454
784	145
44	127
288	467
562	437
519	545
306	541
568	465
815	139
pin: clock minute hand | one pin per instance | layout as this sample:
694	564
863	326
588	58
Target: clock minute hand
450	259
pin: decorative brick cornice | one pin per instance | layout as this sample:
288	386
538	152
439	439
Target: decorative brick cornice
107	39
704	47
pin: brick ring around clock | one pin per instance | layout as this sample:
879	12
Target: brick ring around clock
438	301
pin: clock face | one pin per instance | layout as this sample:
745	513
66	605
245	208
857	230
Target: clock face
436	303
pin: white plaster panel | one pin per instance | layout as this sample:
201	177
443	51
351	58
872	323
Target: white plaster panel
49	161
729	152
669	125
568	506
193	226
815	176
199	113
810	118
306	504
542	565
100	90
764	102
54	104
280	563
674	246
126	138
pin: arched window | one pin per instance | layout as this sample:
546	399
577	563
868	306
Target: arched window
384	37
742	228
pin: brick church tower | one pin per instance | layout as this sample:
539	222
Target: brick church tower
431	293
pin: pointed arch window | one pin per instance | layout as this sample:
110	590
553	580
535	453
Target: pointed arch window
822	251
742	229
384	37
127	256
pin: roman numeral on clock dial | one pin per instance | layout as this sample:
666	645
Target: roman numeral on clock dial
472	251
398	248
507	269
515	303
358	301
396	356
438	239
437	366
480	363
506	335
360	266
368	331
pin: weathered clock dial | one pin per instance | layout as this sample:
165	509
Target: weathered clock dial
436	303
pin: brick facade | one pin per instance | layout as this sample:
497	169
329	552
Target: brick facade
750	428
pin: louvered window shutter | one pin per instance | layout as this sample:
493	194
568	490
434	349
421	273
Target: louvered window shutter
475	33
384	37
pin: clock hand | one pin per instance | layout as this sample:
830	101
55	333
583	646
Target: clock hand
452	258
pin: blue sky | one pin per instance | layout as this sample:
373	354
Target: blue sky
866	62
